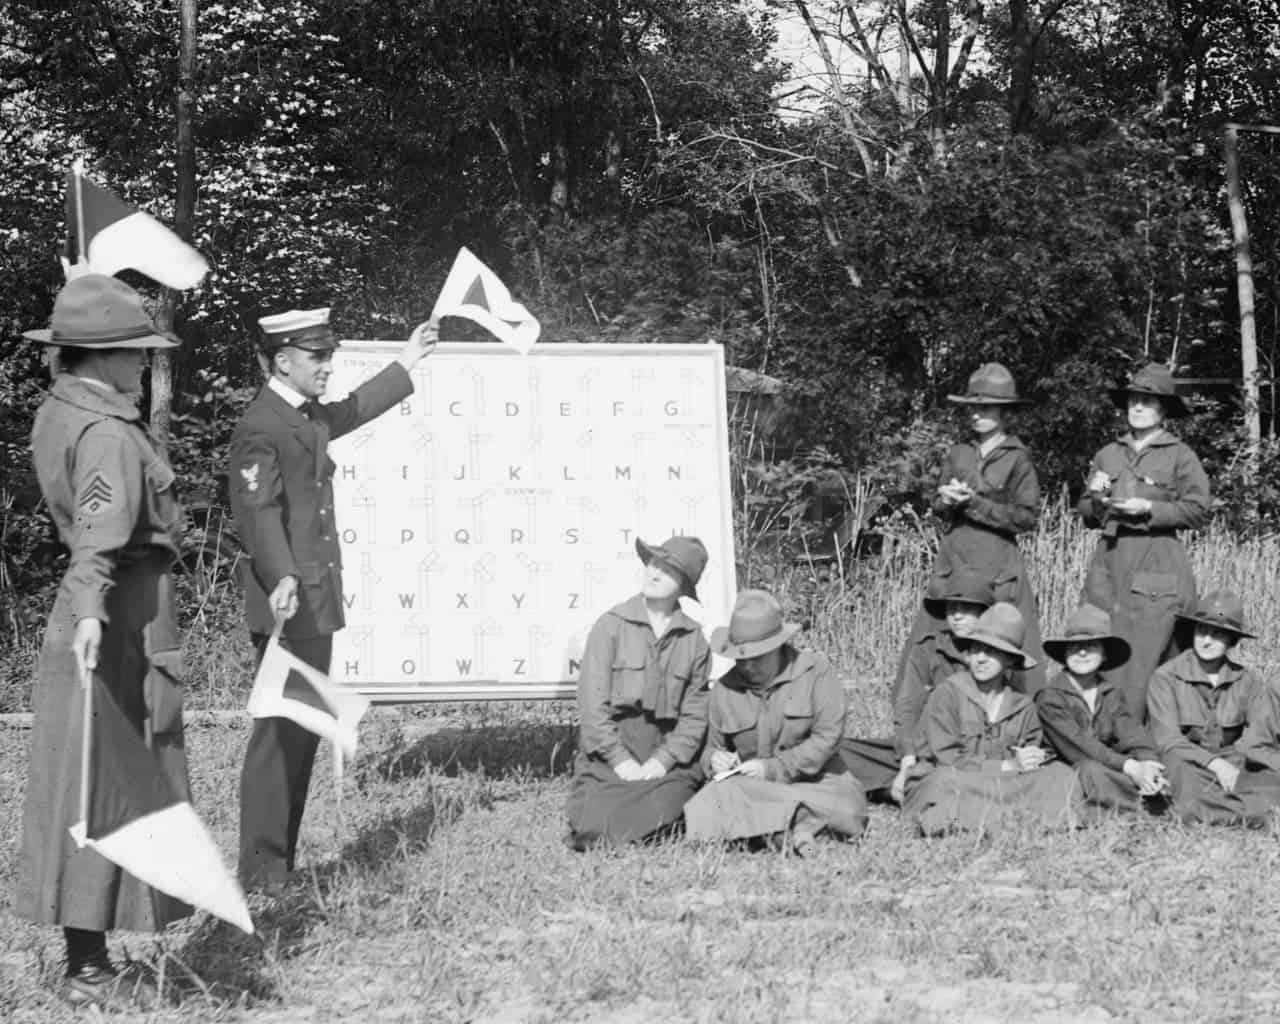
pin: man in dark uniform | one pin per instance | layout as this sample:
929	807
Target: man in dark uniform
282	499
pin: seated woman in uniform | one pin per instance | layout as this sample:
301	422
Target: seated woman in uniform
1086	721
775	723
882	765
1212	722
642	705
984	758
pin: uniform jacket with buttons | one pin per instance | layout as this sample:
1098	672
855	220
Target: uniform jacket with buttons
1196	721
958	732
1005	502
1164	471
933	658
628	673
794	724
110	493
281	483
1108	734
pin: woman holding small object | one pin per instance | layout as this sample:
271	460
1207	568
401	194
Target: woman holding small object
987	494
642	704
985	761
111	496
774	729
1142	489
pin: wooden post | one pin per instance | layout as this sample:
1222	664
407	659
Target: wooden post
183	214
1244	292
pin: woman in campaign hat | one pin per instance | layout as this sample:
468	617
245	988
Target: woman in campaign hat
111	496
1087	724
984	762
1141	490
642	705
987	494
1216	722
774	729
883	765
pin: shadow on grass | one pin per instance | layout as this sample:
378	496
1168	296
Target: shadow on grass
525	751
224	967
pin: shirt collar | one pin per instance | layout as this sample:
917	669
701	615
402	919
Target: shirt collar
633	610
1187	668
295	398
94	397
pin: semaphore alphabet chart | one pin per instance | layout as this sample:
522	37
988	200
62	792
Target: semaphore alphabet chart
491	518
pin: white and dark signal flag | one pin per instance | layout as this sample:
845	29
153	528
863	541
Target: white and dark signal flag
133	816
474	292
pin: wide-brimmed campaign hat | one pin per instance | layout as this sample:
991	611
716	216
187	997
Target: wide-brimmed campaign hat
686	557
100	312
989	384
756	627
1220	608
301	328
1089	623
960	585
1153	379
1001	626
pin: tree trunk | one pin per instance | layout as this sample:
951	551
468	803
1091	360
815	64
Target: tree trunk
1244	292
1022	62
184	211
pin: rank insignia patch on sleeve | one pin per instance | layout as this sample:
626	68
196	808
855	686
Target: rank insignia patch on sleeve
96	495
250	474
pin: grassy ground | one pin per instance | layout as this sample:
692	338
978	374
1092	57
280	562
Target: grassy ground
441	890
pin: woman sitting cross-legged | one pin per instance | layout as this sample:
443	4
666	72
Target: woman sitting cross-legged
984	761
774	726
1213	722
642	701
1087	723
883	765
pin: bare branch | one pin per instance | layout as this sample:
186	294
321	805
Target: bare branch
867	52
904	26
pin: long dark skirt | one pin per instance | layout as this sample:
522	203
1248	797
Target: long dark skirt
874	763
57	882
604	808
1196	796
989	800
743	808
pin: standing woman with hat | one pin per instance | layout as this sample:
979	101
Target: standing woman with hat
1086	722
987	494
111	496
1214	722
774	730
985	760
642	705
1142	489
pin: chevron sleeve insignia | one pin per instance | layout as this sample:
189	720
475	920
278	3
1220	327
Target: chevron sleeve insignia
97	495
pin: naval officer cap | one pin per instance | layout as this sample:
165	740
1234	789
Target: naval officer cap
302	328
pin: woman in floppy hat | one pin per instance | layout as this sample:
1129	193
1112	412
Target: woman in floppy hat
1086	722
987	494
882	765
984	760
642	705
1214	722
775	724
1141	490
110	494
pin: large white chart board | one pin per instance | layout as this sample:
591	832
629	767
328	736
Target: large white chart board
491	518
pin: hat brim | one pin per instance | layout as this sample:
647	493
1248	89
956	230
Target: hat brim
1000	644
45	337
986	400
1115	649
721	644
648	554
937	606
1216	624
1174	406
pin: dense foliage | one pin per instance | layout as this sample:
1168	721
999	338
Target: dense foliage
1035	181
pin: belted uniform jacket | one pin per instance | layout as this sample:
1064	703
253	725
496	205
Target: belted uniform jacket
281	483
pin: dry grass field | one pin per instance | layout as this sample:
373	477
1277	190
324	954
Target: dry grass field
440	889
